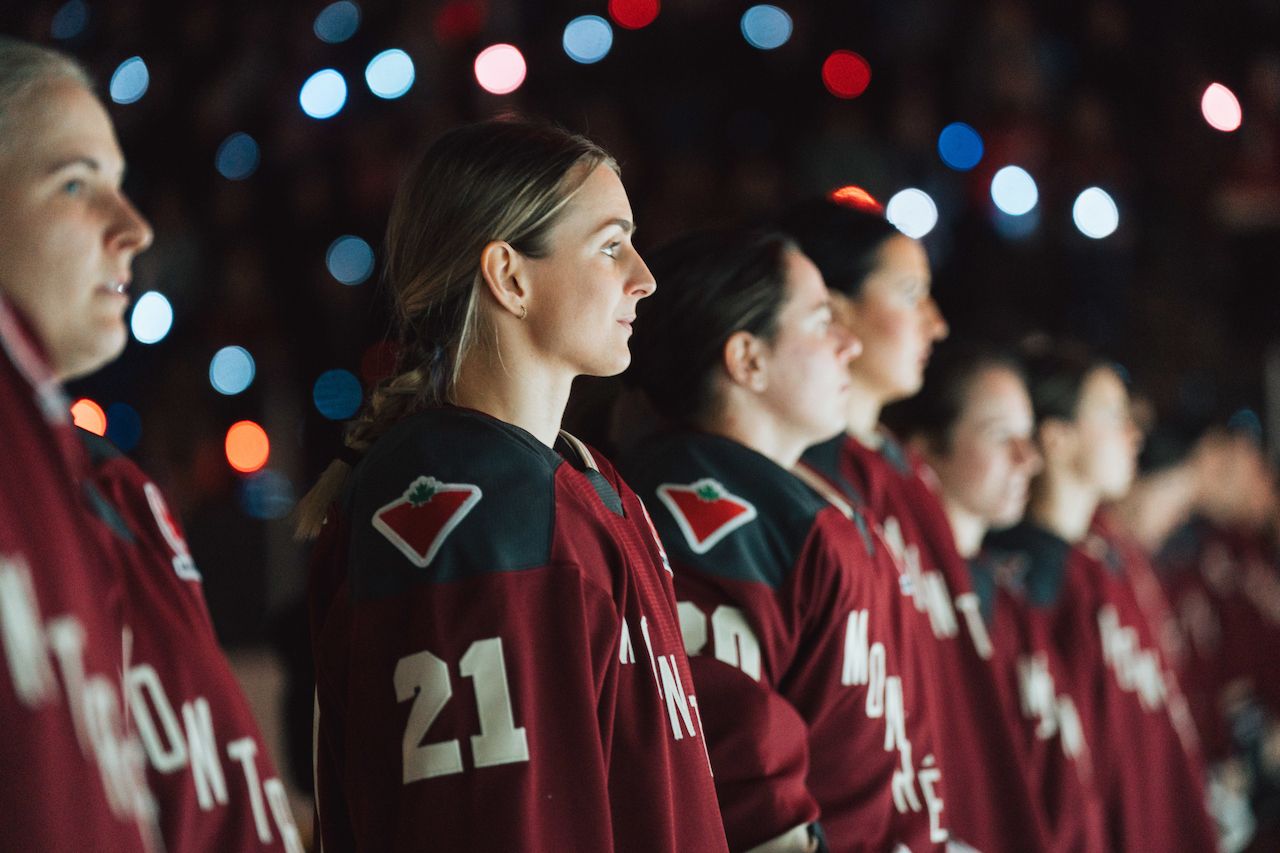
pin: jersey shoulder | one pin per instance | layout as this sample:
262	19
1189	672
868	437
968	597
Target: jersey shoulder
1029	560
449	494
722	508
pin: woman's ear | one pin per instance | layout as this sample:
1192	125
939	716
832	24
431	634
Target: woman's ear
745	361
503	270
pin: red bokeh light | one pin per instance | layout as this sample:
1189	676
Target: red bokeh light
378	362
87	414
460	20
846	74
856	197
633	14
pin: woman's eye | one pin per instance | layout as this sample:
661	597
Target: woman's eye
73	187
612	249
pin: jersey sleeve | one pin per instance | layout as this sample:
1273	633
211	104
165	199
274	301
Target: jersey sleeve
461	698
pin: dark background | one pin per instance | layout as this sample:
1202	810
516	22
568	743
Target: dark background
708	130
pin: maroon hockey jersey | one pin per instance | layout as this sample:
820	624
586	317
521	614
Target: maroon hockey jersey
1019	597
498	658
989	805
807	672
1146	769
71	774
208	765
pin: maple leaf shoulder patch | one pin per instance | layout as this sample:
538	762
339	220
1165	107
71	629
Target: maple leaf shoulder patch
705	511
419	521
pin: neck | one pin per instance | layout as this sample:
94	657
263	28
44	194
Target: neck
750	426
864	413
966	528
1063	506
519	389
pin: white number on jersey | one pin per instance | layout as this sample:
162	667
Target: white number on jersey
424	678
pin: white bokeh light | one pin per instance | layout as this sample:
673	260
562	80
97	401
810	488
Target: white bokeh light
912	212
152	318
1095	213
390	74
324	94
1014	190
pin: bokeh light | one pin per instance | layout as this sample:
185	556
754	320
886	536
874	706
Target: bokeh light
324	94
500	69
855	196
766	27
124	426
337	22
1014	190
1221	108
231	370
349	259
247	447
87	414
846	74
960	146
337	394
1095	213
152	318
390	74
588	39
460	20
912	212
267	495
130	81
237	157
71	19
633	14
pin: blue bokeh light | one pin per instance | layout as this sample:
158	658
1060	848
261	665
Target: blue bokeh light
231	370
960	146
588	39
71	19
324	94
390	74
130	81
124	426
237	157
337	22
267	495
349	259
766	27
337	394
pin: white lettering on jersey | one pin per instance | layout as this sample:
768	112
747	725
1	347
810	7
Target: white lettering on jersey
1136	669
929	777
970	606
735	642
211	784
693	627
648	644
167	753
66	638
876	665
24	641
677	702
278	800
907	557
856	649
245	751
937	603
626	648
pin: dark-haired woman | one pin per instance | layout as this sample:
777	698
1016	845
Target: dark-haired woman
973	425
499	663
881	285
1145	760
788	601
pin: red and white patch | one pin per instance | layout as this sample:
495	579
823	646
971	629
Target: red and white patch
420	520
705	511
183	564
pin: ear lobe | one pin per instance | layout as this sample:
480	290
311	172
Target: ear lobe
744	361
502	269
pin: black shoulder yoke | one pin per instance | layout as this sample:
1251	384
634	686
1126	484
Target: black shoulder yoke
449	494
1043	554
684	475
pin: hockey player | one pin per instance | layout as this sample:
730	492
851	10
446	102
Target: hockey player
71	775
1146	764
808	681
972	424
498	655
881	282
